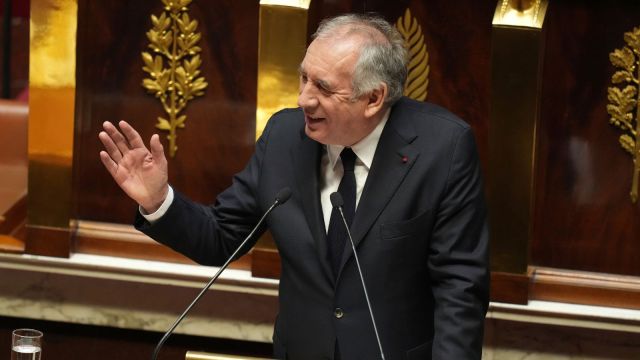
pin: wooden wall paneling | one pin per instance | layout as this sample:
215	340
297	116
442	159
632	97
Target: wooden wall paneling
18	67
584	219
123	240
509	287
265	263
14	217
581	287
14	169
322	9
219	134
458	40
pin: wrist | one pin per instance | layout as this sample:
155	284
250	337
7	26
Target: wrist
157	202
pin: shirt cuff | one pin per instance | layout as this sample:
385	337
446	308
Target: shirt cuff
161	210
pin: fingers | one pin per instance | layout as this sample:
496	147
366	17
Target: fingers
132	135
118	139
110	147
118	145
108	163
157	150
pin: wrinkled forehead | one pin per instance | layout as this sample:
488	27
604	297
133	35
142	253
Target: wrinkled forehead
337	55
337	45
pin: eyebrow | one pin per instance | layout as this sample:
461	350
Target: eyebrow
324	85
319	82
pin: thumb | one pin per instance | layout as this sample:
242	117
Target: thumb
157	150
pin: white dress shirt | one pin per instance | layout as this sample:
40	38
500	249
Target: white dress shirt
330	173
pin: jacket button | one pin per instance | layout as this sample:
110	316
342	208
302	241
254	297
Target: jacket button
338	313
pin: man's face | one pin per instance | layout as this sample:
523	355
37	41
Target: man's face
326	72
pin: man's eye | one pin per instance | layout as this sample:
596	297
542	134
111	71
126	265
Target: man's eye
303	78
324	90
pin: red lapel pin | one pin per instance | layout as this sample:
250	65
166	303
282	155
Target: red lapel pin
404	159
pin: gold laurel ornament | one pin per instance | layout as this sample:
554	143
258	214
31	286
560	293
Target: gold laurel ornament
173	65
624	100
418	75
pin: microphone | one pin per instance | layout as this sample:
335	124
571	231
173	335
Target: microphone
281	197
337	202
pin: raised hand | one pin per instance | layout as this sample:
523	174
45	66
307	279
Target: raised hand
140	172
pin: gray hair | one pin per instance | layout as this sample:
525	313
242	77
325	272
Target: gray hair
379	61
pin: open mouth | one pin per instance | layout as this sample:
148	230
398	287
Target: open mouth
313	120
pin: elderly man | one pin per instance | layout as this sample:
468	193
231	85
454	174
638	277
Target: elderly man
410	178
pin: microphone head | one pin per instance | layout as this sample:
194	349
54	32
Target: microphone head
283	195
336	199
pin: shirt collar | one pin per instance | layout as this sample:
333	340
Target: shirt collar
365	149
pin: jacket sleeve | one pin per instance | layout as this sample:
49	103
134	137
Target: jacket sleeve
209	234
458	258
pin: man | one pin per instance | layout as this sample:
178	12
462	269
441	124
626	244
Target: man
418	216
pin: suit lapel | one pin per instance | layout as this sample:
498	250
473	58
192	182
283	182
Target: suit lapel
306	161
394	157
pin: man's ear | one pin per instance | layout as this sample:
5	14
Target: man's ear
375	100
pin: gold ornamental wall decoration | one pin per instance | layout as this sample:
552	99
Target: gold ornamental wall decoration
418	75
624	100
173	65
526	13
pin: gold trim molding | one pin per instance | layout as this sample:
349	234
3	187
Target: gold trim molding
52	81
173	39
624	100
527	13
301	4
516	58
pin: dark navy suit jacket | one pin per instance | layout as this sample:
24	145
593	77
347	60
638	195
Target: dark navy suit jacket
420	231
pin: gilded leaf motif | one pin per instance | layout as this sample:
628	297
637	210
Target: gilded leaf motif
621	76
193	65
627	143
180	121
148	62
163	124
622	58
185	24
176	5
624	100
198	86
174	65
621	105
160	23
632	38
418	67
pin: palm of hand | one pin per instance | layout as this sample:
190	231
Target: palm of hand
140	172
140	175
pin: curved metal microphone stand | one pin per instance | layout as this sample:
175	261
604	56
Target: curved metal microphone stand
281	198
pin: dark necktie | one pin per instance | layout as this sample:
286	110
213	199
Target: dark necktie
337	235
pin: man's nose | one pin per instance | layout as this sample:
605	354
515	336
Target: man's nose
307	99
